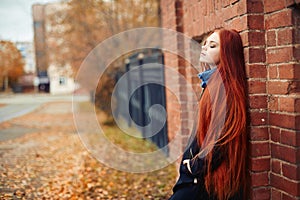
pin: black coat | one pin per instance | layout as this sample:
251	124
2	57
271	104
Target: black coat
190	186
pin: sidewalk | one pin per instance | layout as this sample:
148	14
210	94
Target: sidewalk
15	105
50	162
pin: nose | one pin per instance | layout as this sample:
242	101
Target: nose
204	47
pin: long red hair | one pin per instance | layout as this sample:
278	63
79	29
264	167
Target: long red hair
223	119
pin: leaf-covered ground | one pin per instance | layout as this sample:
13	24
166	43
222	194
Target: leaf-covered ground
50	162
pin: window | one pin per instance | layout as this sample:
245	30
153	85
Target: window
62	81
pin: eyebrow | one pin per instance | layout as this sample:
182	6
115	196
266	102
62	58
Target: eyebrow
211	41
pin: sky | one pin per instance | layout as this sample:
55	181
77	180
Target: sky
16	19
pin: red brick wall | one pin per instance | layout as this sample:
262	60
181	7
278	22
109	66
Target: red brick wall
271	35
282	22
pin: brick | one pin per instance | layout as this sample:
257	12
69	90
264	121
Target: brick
258	149
256	38
271	5
290	137
284	120
246	54
290	2
273	72
294	87
225	3
284	36
185	132
285	153
285	185
276	167
260	164
260	194
241	8
259	133
257	55
257	87
291	171
296	36
275	134
244	36
184	114
287	104
278	87
184	142
238	23
256	22
183	97
259	179
296	53
279	55
297	105
288	197
210	7
258	118
213	6
256	70
273	103
271	38
204	7
255	6
289	71
279	19
218	5
275	194
258	102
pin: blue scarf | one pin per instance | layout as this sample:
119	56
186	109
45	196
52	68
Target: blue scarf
204	76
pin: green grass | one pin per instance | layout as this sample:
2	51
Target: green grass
127	141
130	140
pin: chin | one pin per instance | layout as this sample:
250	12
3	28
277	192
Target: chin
204	60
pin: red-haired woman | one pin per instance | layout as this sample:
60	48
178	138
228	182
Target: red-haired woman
214	165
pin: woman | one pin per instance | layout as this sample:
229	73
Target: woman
213	166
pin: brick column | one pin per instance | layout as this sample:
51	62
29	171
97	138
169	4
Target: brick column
282	22
259	155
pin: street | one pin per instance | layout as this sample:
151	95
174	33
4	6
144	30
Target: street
42	157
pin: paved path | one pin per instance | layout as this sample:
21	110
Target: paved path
20	104
15	110
17	105
39	98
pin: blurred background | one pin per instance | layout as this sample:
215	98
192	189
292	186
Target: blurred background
43	43
42	46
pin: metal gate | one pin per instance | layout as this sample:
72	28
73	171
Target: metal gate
144	67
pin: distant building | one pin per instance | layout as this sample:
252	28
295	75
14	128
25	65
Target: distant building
55	78
61	81
28	55
38	13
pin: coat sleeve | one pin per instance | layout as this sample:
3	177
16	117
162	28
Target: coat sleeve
198	166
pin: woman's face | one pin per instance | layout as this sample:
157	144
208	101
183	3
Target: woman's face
210	52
